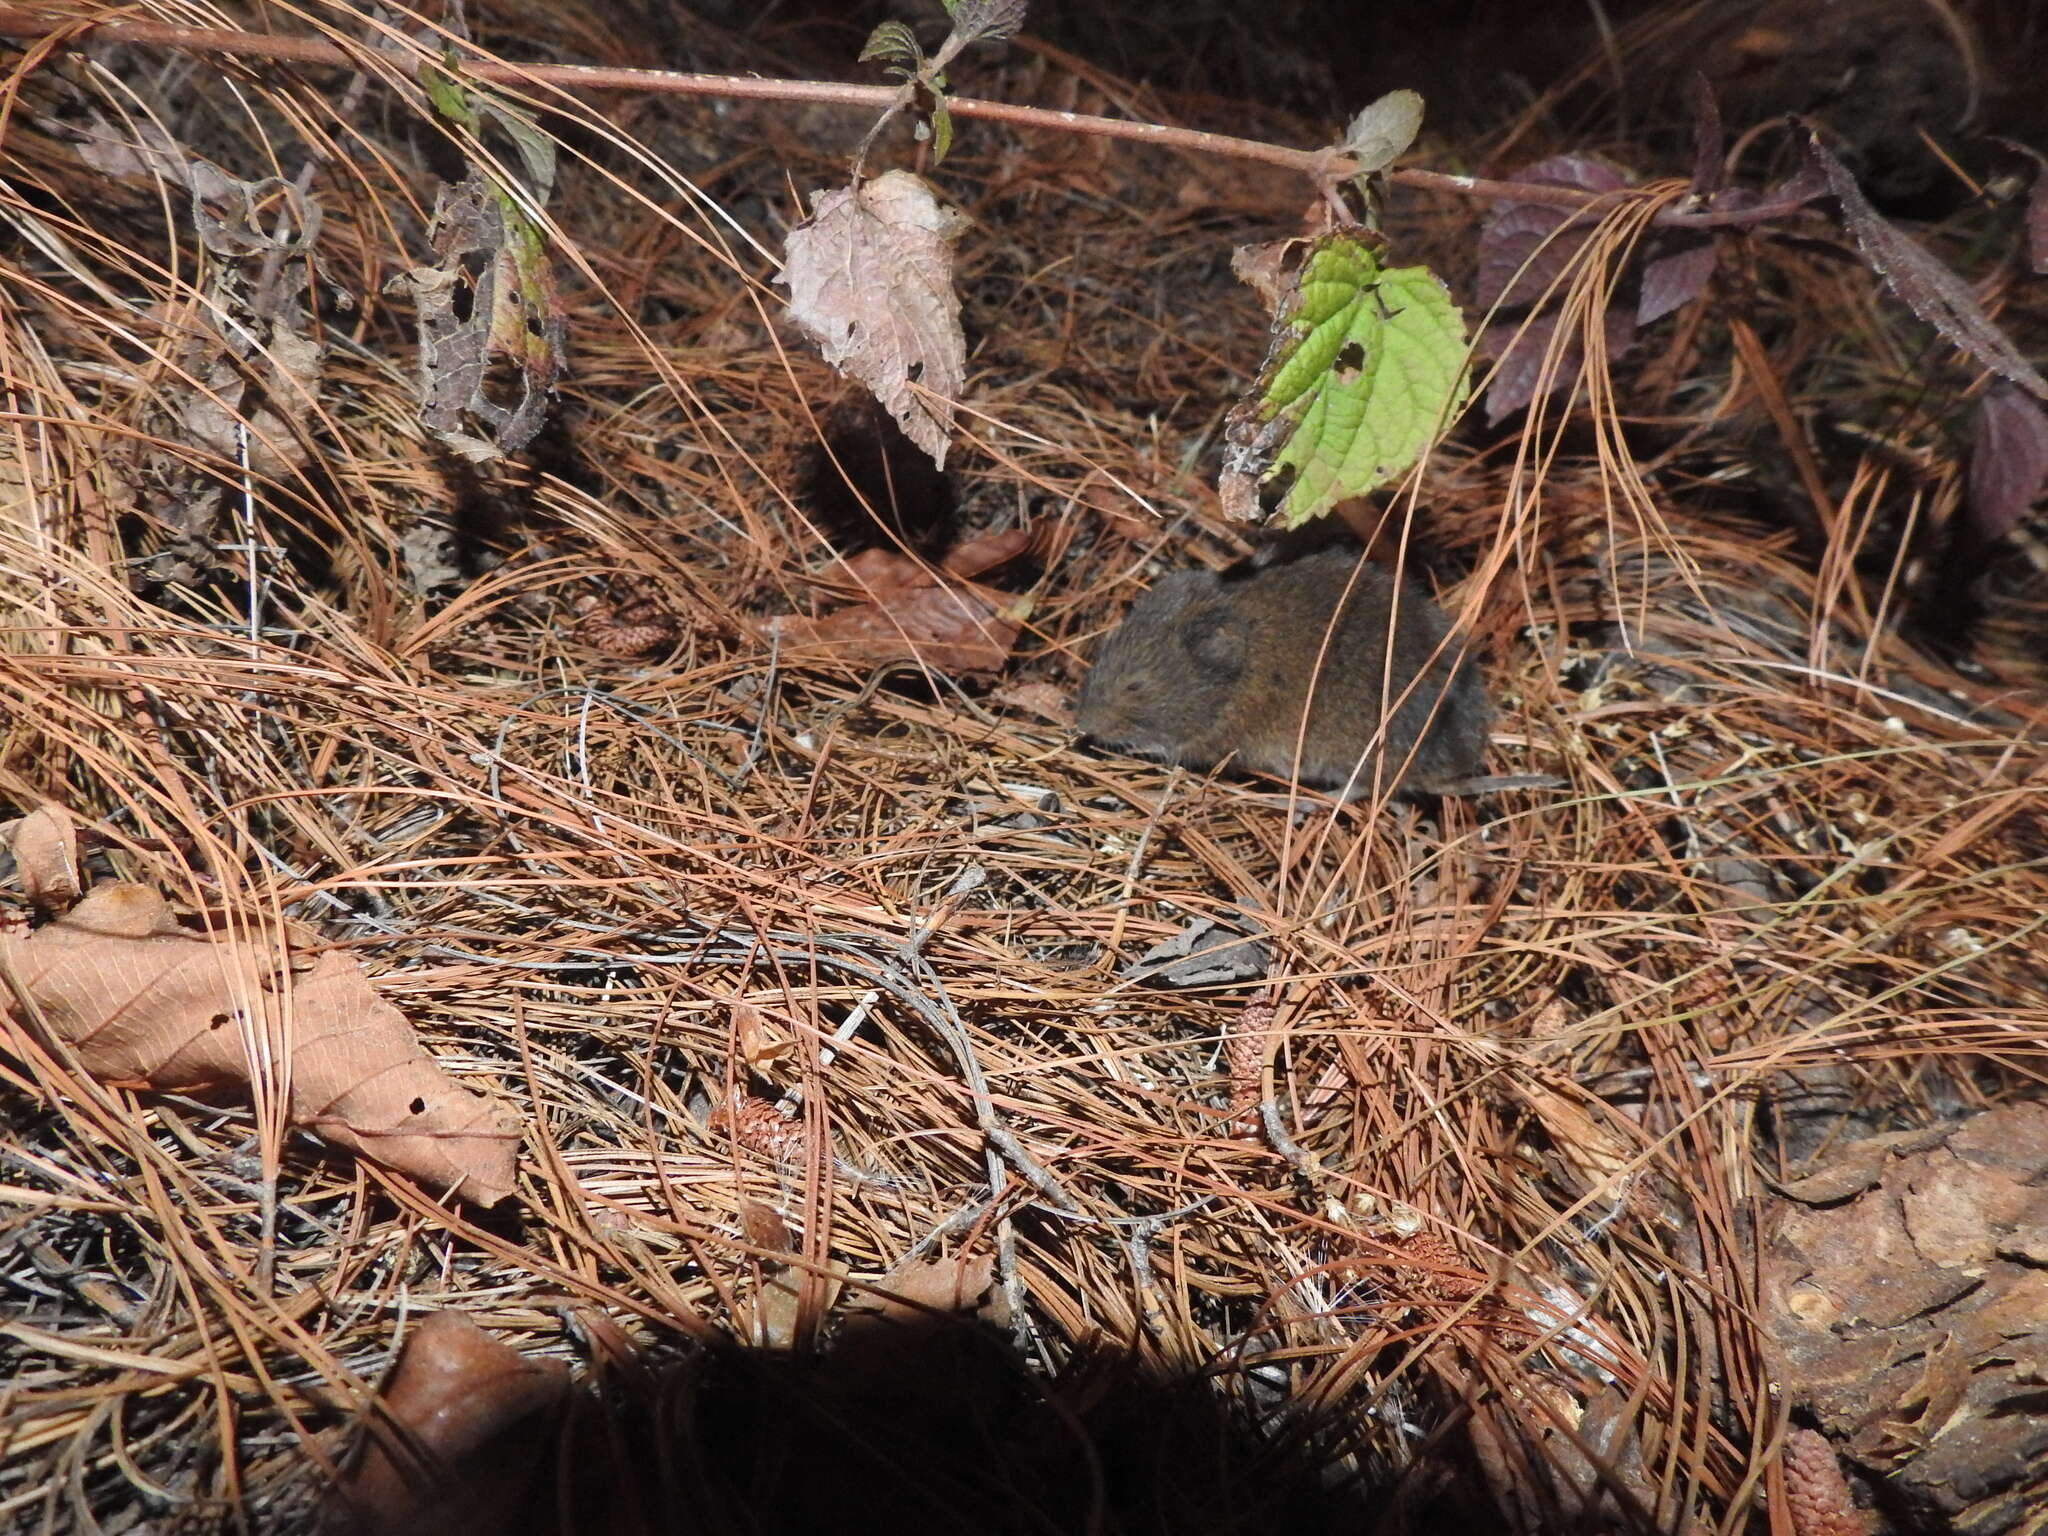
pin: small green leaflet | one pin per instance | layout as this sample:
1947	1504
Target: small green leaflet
1367	366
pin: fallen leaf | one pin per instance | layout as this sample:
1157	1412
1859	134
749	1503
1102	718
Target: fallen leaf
761	1044
912	614
146	1003
913	1291
138	150
986	553
764	1227
1044	700
453	1446
1205	953
487	307
870	279
45	845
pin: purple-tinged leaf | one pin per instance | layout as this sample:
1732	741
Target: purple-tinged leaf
1921	282
2008	459
1521	348
1516	266
1674	281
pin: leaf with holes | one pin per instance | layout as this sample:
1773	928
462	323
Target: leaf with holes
146	1002
870	279
1367	365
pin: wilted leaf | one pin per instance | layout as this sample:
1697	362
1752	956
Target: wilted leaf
916	1288
45	846
230	419
1525	248
870	278
761	1044
2008	459
1381	133
137	150
912	615
1203	954
1922	282
763	1226
147	1003
487	305
1366	367
986	552
453	1448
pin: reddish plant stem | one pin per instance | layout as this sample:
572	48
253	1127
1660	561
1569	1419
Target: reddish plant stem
1320	165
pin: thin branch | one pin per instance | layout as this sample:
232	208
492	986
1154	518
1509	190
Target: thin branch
1320	165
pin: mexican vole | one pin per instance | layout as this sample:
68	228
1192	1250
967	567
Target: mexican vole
1207	667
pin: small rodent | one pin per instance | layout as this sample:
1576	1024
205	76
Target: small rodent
1207	667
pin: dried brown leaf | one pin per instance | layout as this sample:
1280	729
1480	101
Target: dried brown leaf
912	615
137	150
986	553
913	1291
764	1227
451	1450
487	308
761	1044
45	844
147	1003
870	278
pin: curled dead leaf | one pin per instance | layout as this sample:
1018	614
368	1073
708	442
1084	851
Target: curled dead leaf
45	844
912	614
451	1447
146	1003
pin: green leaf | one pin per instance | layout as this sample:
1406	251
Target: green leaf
1367	366
892	43
466	108
942	132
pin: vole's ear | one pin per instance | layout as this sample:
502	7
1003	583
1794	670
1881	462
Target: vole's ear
1217	638
1176	590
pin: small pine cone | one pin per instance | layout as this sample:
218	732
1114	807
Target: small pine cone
1244	1056
1437	1271
1816	1492
759	1126
627	629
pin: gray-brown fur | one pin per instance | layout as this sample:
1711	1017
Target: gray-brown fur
1206	667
